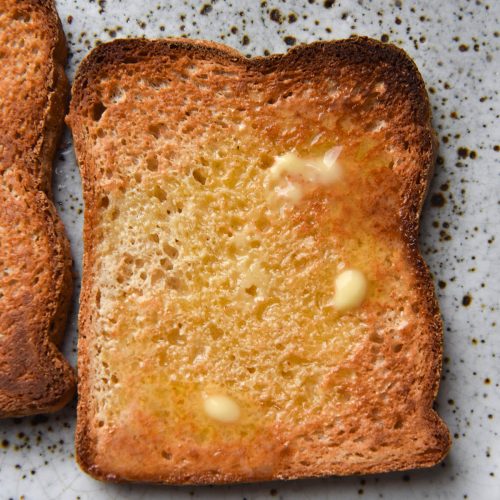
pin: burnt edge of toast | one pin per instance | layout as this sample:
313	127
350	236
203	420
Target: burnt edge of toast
55	387
354	50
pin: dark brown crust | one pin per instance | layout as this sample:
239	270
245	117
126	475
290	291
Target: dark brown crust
35	378
354	51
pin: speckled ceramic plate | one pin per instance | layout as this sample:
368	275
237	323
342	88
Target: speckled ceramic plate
455	44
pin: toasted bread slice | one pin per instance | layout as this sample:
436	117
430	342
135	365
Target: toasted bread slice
35	261
254	305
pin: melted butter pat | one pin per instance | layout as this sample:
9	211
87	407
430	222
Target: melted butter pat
221	408
290	176
351	287
291	191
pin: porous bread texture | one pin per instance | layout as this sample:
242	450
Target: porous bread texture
34	282
35	261
33	87
199	280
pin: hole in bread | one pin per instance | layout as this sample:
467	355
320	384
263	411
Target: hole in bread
375	337
224	231
21	16
251	290
375	126
162	356
152	163
397	347
170	250
159	193
265	161
116	94
236	222
154	237
260	309
167	264
187	129
215	331
97	111
156	276
52	326
154	129
166	455
262	223
199	177
399	422
104	202
174	283
174	336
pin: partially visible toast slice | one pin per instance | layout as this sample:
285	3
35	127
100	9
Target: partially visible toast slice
254	305
35	260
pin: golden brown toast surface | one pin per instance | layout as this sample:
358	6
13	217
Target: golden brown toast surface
210	270
35	261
